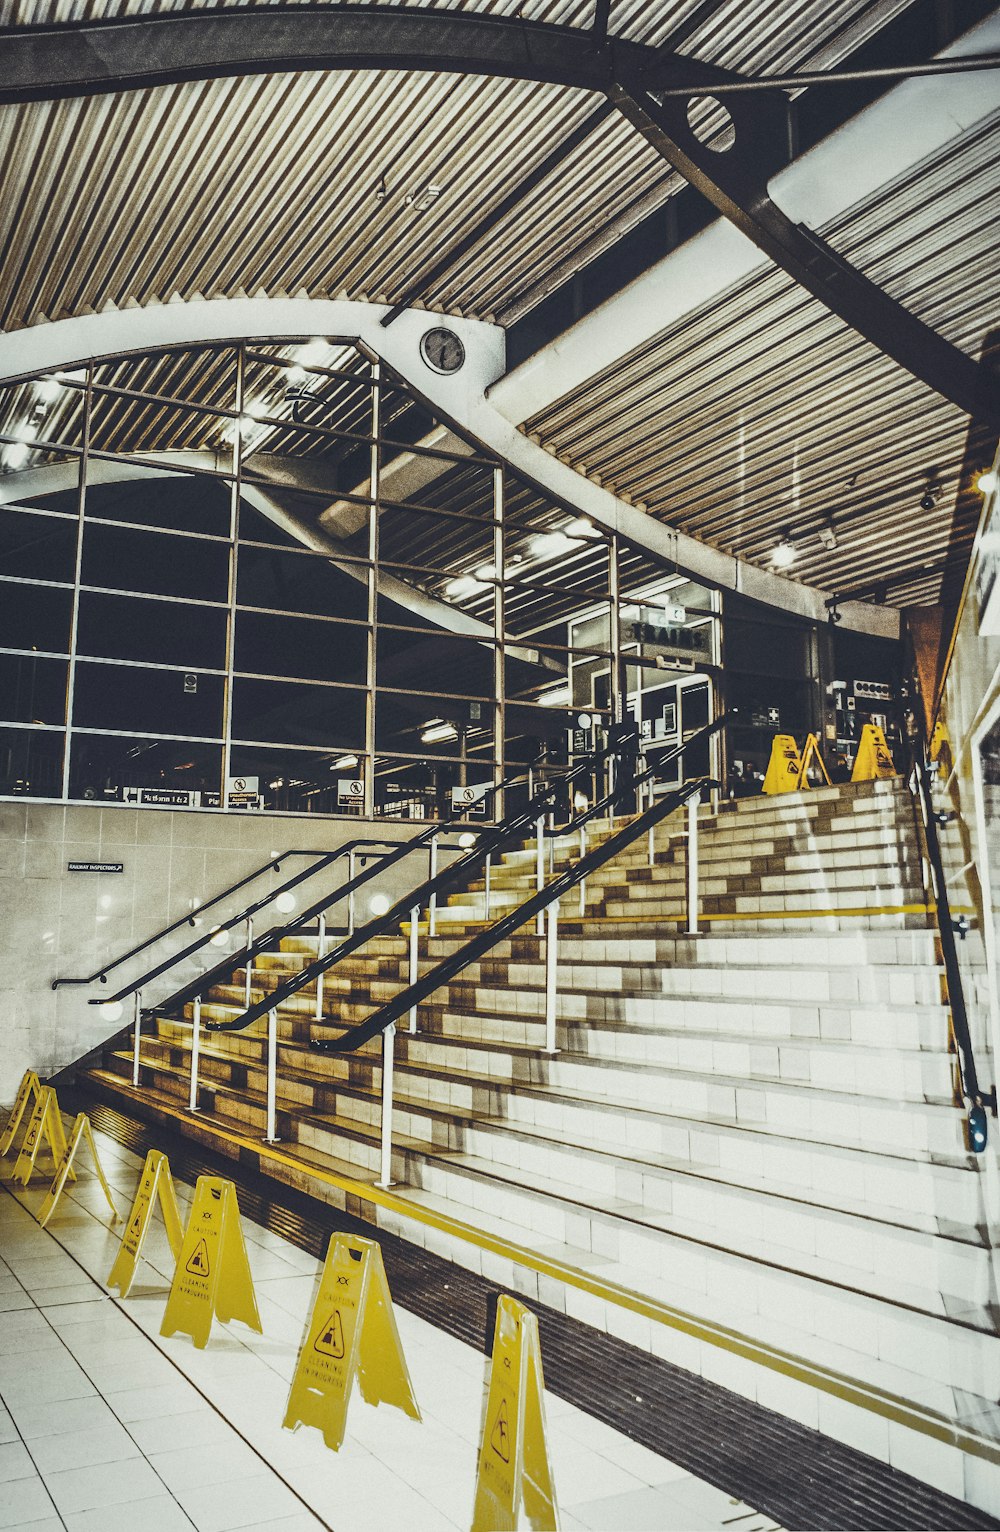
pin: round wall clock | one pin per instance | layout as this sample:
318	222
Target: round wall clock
442	350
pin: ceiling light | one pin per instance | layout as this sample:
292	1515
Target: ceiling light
549	545
486	572
462	586
219	936
111	1010
48	391
295	374
467	841
379	904
987	482
435	732
556	695
285	903
580	526
783	554
343	762
16	454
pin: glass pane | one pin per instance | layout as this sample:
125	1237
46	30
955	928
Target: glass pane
301	582
294	646
181	503
31	762
45	410
126	426
428	727
35	617
332	717
37	547
176	771
165	632
303	781
148	701
434	662
160	563
32	690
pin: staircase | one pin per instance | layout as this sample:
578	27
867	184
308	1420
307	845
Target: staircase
746	1156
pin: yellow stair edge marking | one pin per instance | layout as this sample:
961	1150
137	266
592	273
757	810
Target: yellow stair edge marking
660	920
877	1401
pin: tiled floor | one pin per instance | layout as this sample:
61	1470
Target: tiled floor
105	1425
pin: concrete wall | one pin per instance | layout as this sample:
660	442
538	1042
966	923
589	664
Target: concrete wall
55	923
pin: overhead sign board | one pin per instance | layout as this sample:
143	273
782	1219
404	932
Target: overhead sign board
660	635
95	866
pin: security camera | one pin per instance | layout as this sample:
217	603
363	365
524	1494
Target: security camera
928	501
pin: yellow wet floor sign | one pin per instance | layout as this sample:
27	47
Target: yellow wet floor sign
29	1089
874	758
212	1275
811	755
80	1130
352	1333
513	1455
155	1183
784	769
46	1123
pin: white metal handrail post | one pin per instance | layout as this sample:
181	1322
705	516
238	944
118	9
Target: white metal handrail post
489	869
249	962
136	1035
320	953
540	869
551	955
432	902
414	952
692	864
651	837
388	1061
583	881
195	1054
271	1130
350	897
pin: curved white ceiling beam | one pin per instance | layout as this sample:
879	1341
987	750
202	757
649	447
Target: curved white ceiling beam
461	398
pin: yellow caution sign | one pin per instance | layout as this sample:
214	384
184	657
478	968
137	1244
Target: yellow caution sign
513	1456
81	1130
784	769
939	739
352	1333
46	1123
811	756
156	1183
873	759
29	1089
212	1275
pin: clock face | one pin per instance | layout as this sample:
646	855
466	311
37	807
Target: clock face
442	350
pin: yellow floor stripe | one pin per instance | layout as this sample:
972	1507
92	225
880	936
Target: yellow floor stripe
864	1396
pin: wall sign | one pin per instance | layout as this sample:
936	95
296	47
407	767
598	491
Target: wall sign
95	866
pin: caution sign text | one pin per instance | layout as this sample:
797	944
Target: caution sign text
352	1334
212	1275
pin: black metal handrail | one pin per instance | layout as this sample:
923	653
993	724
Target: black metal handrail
509	832
491	840
273	864
485	941
367	847
972	1091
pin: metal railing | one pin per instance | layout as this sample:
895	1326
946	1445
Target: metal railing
544	903
918	777
273	864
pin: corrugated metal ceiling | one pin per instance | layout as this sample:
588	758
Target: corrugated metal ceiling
758	416
762	416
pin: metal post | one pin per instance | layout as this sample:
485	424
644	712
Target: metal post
388	1059
249	962
195	1051
350	897
432	902
540	868
136	1033
692	865
414	939
321	953
551	947
583	881
651	834
271	1130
